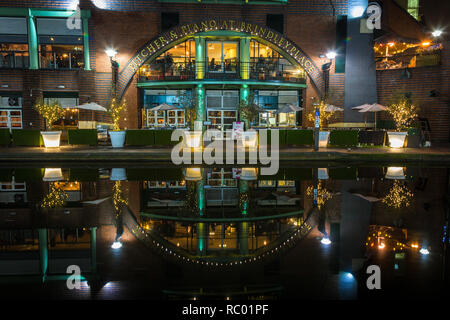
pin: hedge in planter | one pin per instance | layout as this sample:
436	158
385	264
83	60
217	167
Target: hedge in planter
140	137
162	138
300	137
281	137
27	138
82	136
344	138
5	137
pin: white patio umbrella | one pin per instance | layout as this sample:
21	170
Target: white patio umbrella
363	106
331	108
374	108
289	108
164	107
92	106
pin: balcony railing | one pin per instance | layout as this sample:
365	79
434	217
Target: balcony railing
260	71
61	60
14	59
408	61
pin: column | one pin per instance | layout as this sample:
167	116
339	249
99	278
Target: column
43	252
200	63
200	110
94	249
245	91
360	73
244	58
202	238
87	62
32	41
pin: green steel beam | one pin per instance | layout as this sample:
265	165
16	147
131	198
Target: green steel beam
244	48
199	57
32	41
87	62
94	249
43	252
219	82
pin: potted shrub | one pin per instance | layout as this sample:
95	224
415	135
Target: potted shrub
403	111
115	110
51	112
189	101
325	114
248	110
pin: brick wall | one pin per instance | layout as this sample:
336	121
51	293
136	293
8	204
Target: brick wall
421	82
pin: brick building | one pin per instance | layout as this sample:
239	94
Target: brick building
221	53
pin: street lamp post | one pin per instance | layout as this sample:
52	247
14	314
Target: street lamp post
111	53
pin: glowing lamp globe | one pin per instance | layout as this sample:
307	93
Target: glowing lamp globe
116	245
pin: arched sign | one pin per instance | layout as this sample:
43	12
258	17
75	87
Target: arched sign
165	40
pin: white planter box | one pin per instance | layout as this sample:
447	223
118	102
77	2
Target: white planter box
118	174
323	138
51	138
117	138
397	139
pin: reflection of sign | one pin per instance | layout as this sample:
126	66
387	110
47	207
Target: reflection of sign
238	128
236	173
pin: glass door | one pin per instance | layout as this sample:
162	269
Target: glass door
222	56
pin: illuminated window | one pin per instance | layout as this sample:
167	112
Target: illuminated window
13	43
222	56
11	119
177	63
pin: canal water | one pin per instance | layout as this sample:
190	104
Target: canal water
159	232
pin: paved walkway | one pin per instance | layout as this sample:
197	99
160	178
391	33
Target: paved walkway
148	154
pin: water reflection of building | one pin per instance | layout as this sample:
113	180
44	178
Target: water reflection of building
45	226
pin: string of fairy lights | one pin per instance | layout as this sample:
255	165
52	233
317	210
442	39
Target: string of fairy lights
289	241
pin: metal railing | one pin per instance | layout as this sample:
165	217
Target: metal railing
271	70
402	61
14	59
61	60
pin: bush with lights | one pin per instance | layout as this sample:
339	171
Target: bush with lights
115	110
51	112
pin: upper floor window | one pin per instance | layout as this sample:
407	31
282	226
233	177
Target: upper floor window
268	64
177	63
13	43
222	56
59	46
